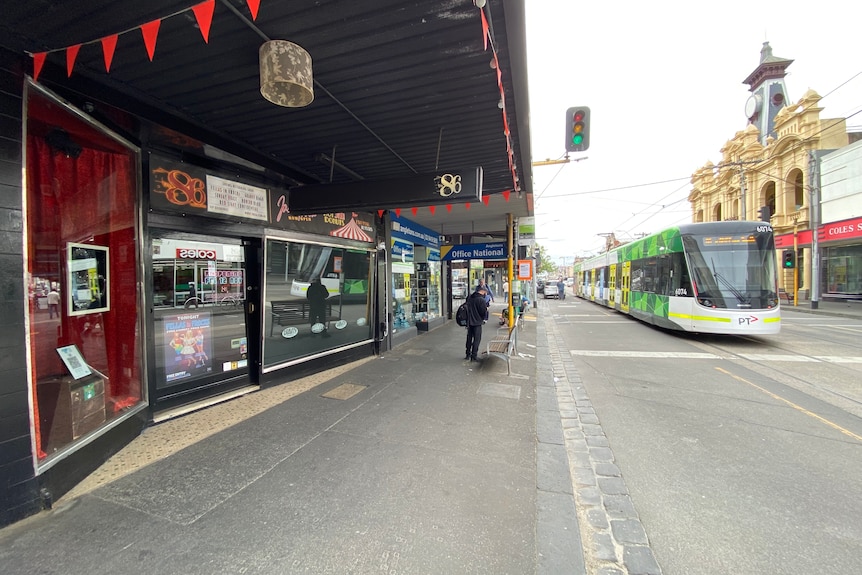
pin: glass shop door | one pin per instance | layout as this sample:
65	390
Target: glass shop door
202	316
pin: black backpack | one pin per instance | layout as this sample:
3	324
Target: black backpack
461	315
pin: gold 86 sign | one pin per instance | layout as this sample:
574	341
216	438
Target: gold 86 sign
448	184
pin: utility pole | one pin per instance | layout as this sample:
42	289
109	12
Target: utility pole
741	164
814	225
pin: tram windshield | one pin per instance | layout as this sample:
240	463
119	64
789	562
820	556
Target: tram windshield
734	271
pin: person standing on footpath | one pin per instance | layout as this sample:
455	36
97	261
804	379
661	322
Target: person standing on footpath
489	295
53	304
477	310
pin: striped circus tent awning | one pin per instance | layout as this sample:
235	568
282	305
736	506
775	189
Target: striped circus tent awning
351	231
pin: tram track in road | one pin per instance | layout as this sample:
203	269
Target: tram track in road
776	370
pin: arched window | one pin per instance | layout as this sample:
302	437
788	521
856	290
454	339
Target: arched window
768	195
798	190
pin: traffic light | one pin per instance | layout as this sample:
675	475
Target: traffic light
788	258
765	213
577	129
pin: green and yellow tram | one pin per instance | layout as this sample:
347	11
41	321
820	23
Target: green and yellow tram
713	277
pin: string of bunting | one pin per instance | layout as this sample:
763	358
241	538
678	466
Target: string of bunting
203	13
486	34
486	199
149	31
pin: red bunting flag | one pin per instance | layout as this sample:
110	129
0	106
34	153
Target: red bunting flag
109	44
448	207
484	28
398	212
414	211
254	6
204	16
432	209
71	55
380	213
467	205
486	199
150	31
506	194
38	62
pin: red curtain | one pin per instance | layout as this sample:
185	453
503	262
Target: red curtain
84	195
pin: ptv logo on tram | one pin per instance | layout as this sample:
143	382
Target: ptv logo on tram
748	320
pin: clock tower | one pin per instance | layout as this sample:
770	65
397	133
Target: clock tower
768	92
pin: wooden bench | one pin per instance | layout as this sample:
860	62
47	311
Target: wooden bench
296	312
504	344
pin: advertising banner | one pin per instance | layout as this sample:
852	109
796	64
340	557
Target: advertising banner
188	348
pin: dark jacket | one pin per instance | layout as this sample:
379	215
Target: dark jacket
476	309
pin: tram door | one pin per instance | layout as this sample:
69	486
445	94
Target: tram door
626	284
612	285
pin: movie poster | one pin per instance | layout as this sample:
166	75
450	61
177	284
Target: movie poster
188	351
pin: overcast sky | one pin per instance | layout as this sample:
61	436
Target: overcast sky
664	83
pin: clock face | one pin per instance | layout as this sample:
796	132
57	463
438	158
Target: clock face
752	106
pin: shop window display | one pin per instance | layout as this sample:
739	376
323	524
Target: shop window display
317	300
82	274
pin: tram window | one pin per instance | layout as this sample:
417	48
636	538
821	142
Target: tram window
637	276
680	280
663	275
650	270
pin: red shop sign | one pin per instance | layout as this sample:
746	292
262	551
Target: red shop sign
195	254
844	230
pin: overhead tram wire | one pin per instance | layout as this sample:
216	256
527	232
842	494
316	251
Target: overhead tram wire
653	205
687	178
551	182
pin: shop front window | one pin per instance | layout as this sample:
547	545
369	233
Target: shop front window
842	270
199	287
317	300
82	274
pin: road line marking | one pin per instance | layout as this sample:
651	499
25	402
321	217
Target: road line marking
794	406
655	354
838	359
699	355
775	357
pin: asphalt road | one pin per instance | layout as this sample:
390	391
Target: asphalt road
741	455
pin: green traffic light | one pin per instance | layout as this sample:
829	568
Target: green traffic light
577	139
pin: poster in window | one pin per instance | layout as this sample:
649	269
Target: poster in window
88	279
188	351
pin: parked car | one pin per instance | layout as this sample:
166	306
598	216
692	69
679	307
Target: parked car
459	290
551	290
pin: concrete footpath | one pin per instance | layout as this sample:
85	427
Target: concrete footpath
413	462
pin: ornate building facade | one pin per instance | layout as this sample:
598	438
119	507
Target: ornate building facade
771	176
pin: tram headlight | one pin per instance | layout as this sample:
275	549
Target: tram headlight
706	302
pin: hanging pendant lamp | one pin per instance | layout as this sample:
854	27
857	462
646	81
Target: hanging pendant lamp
285	74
